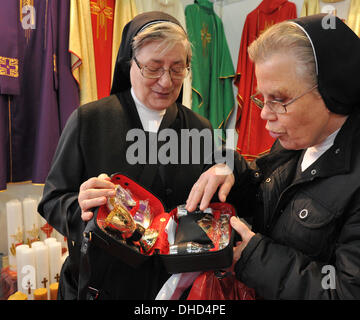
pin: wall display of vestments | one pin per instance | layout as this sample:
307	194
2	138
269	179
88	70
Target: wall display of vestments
93	57
37	90
176	9
212	67
253	138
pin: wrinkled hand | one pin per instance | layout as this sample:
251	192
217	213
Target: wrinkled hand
246	234
94	193
203	190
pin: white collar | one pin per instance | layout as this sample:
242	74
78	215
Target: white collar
313	153
150	119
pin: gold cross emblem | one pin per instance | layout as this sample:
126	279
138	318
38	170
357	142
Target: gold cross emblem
205	37
9	67
103	13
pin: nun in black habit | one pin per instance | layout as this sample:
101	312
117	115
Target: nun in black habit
304	196
147	82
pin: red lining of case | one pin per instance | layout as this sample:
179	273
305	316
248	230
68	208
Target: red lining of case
161	218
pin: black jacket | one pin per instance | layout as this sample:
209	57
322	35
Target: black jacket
307	224
94	142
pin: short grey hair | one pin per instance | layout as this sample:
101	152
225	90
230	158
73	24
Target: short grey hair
286	37
168	34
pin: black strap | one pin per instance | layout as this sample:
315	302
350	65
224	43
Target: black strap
85	267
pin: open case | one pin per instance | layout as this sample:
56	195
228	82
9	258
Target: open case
186	242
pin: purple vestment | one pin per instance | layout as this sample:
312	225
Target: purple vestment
34	106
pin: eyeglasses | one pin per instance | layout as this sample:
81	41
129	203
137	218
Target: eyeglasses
275	106
176	73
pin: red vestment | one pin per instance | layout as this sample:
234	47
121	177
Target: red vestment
102	20
253	138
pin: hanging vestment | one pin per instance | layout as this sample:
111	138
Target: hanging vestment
310	7
176	9
102	21
125	10
93	58
354	16
9	82
37	90
81	47
212	68
253	138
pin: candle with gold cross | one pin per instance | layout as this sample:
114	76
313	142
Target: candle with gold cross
31	220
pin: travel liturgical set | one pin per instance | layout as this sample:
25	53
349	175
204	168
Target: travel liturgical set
133	226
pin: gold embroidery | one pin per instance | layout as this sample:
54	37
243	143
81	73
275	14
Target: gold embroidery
13	249
205	37
103	13
55	65
18	237
33	233
9	67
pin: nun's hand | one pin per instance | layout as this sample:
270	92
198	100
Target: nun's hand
218	176
93	193
246	234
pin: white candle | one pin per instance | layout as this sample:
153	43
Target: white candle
14	229
26	272
54	261
49	240
31	220
37	244
42	266
21	246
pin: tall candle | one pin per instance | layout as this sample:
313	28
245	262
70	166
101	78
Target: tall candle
26	272
14	229
50	240
54	261
21	247
31	220
37	244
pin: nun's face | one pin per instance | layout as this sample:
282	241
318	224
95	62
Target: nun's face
307	121
157	94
